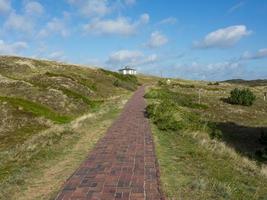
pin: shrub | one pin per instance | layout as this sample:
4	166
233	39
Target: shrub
161	83
152	94
216	134
163	116
214	83
241	97
126	85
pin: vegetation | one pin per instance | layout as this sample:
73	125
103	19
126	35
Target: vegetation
128	82
47	111
36	109
168	112
193	169
241	97
251	83
203	151
58	150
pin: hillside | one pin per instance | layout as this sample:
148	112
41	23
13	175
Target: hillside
259	82
206	147
52	114
46	108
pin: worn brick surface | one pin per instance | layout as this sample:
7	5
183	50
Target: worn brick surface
123	163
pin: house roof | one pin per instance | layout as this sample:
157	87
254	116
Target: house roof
126	68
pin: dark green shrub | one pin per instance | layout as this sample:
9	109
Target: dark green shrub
150	110
167	122
214	83
152	94
216	134
125	85
162	115
241	97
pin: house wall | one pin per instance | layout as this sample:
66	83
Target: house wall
131	72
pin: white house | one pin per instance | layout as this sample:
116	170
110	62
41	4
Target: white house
127	70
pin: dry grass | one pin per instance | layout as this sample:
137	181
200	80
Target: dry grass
45	175
44	107
193	166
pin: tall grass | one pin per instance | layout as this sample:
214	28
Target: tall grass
194	163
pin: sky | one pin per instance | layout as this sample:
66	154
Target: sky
200	40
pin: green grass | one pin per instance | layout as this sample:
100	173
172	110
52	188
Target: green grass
36	109
194	163
128	82
76	78
190	171
91	103
59	150
177	97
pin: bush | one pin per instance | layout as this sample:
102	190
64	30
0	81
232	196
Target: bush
216	134
214	83
126	85
152	94
241	97
163	116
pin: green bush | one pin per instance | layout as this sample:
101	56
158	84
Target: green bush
241	97
216	134
152	94
163	116
214	83
126	85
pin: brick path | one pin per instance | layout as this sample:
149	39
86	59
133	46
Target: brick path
123	163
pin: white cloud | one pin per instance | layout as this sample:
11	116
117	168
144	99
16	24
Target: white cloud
5	6
124	57
12	48
211	71
34	8
19	23
92	8
130	2
157	40
57	55
144	18
236	7
168	21
99	8
119	26
55	26
261	53
127	57
224	37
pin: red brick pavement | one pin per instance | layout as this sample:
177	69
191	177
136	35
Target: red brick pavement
122	165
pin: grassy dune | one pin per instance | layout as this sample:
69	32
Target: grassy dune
206	147
50	114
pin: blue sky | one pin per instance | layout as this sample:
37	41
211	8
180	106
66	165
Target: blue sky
203	40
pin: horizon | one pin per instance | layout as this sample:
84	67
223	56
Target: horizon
224	40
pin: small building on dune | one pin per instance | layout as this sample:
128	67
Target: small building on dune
128	70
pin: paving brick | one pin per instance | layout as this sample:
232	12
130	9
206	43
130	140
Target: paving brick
123	163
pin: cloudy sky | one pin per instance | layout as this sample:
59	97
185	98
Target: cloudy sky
205	40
